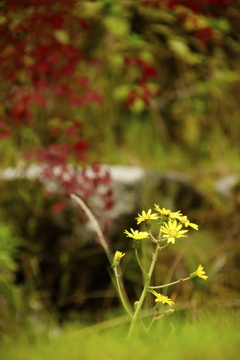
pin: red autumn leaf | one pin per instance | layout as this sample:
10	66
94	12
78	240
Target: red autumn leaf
80	146
58	207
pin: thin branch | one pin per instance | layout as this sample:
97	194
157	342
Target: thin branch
95	224
139	262
121	292
169	284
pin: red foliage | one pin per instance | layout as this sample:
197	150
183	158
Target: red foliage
5	130
205	7
147	71
204	34
141	90
41	58
37	48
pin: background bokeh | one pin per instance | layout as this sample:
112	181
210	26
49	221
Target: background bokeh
153	84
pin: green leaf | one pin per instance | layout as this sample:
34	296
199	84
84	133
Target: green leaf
121	92
161	29
138	106
117	26
7	262
181	49
62	36
116	61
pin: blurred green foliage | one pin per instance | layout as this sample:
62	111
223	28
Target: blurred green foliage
11	301
190	101
169	84
55	267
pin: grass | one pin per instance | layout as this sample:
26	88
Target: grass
139	142
213	336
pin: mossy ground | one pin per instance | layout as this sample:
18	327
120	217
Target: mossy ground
214	335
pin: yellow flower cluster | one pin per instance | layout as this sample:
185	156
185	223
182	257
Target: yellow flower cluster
172	229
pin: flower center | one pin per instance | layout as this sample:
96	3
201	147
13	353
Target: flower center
173	233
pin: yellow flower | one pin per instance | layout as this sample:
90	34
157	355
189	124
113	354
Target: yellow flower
162	298
168	213
172	231
137	235
146	216
199	273
184	220
117	257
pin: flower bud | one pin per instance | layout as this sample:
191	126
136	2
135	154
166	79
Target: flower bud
135	305
136	244
148	225
193	275
117	257
158	305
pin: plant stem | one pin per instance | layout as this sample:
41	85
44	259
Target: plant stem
139	262
172	283
152	321
95	224
120	292
152	237
144	292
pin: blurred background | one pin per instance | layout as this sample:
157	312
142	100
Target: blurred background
127	104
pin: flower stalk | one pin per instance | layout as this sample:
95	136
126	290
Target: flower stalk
170	230
169	284
144	292
139	262
121	292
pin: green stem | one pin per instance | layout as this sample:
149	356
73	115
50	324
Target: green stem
120	292
152	321
137	311
169	284
163	247
139	262
159	317
152	237
144	292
